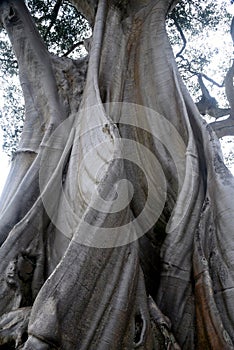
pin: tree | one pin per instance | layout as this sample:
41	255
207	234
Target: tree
116	219
63	29
64	32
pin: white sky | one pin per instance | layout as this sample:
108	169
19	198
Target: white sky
230	9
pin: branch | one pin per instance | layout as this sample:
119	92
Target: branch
178	27
73	47
211	80
220	112
202	74
232	30
208	104
205	91
54	16
172	5
229	89
37	76
87	8
224	127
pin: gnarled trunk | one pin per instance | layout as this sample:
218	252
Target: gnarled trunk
116	222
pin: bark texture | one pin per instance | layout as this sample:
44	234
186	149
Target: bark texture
66	284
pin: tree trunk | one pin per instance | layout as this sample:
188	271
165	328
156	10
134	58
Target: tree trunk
116	221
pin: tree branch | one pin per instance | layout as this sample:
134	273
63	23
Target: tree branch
172	5
232	30
229	89
208	104
54	16
190	69
35	66
73	47
224	127
212	80
87	8
178	27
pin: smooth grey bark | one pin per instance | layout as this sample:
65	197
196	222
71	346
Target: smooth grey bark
173	287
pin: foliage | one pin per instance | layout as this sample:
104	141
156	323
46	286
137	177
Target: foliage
61	26
11	119
195	29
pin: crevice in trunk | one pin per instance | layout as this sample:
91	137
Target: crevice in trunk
140	329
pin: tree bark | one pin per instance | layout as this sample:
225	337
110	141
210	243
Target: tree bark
156	273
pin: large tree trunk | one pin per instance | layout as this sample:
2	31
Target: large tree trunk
88	260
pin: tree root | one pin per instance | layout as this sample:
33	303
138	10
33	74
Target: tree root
164	324
13	327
